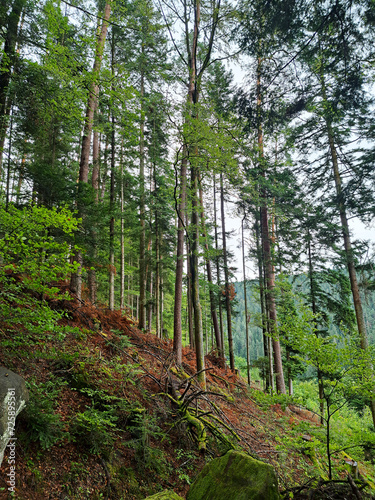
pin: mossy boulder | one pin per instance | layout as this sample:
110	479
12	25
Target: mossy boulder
165	495
235	476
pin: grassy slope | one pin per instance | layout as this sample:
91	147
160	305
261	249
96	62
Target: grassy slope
100	424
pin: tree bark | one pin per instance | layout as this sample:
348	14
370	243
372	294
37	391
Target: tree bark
76	278
94	90
142	237
157	277
112	269
161	295
177	335
91	275
189	301
195	209
218	274
8	62
226	274
95	157
266	245
122	235
347	244
263	308
150	284
192	101
177	327
215	322
194	271
246	314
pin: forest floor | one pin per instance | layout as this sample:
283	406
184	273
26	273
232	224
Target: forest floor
102	423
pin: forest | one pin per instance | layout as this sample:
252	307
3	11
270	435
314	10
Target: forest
202	168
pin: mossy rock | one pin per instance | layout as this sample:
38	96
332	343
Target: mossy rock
235	476
165	495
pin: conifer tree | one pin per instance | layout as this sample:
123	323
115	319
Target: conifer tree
336	92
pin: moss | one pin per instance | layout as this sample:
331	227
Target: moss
165	495
200	431
179	372
235	476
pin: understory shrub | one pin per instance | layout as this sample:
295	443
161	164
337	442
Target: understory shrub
40	422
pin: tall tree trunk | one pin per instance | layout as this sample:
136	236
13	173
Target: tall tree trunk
91	102
263	308
157	276
270	298
7	194
314	310
150	282
177	335
161	296
192	101
195	209
226	274
218	274
347	243
122	233
189	300
20	177
130	288
112	269
194	272
181	209
104	170
8	62
215	322
289	373
266	245
245	298
95	157
142	238
91	275
150	304
76	278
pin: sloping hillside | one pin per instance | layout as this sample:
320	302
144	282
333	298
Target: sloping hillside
112	416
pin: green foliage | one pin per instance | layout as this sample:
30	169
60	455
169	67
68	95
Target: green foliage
65	360
34	254
306	393
120	342
256	369
31	245
187	466
145	430
42	424
347	431
94	429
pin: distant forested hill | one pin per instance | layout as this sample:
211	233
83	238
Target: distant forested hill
255	332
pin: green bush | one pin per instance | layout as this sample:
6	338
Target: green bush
33	257
41	423
94	429
144	430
